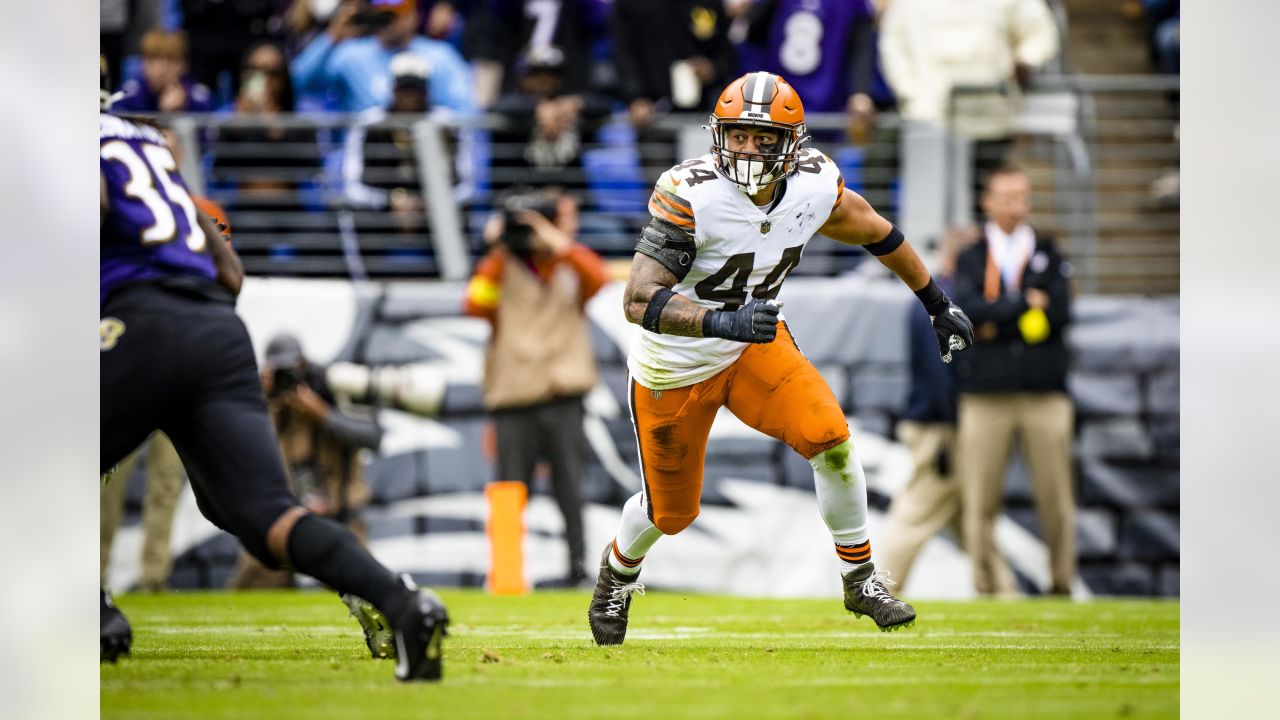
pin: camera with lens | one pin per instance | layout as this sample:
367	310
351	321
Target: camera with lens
372	19
285	379
518	235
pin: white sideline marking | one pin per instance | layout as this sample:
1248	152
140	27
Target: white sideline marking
840	681
907	640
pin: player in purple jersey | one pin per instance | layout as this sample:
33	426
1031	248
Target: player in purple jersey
825	48
145	210
176	357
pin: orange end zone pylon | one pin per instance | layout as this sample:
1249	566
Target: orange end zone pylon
505	528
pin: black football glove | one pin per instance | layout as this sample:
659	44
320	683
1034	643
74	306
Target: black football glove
755	322
953	327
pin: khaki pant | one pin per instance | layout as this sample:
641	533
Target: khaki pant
164	486
930	502
988	424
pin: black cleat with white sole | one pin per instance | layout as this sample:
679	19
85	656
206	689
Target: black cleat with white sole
865	594
115	635
611	603
419	634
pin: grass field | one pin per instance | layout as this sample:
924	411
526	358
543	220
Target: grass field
297	655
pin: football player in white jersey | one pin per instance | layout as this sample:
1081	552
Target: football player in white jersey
726	230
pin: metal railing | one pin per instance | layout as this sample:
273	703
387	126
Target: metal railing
297	207
281	180
1128	129
1095	147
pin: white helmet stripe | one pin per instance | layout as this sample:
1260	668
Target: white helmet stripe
759	88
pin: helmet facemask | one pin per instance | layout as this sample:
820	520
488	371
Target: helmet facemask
106	98
751	171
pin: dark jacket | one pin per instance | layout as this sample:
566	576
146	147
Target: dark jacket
933	383
1006	363
503	30
649	36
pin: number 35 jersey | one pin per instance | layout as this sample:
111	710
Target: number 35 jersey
150	229
742	252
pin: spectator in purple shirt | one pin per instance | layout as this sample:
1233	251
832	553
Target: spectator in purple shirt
165	85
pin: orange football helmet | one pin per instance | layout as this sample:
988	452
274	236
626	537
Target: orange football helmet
765	100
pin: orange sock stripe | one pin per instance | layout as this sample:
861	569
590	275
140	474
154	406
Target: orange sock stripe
857	553
623	559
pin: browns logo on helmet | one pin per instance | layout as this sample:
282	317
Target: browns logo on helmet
758	99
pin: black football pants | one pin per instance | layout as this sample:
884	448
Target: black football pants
184	364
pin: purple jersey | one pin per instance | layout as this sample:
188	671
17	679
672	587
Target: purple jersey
150	229
140	98
809	46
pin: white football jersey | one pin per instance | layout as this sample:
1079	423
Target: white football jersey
743	251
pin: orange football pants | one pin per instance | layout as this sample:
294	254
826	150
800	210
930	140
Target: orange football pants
771	387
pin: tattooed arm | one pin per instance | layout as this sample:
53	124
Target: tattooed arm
680	316
674	314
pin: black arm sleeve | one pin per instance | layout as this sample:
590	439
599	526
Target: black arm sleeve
669	245
887	244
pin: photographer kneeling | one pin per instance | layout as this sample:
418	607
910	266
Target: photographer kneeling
320	444
532	287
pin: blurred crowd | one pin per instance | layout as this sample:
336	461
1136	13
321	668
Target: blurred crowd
645	57
561	73
564	93
564	64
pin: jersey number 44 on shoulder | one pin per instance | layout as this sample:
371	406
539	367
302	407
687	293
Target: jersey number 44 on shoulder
699	172
737	271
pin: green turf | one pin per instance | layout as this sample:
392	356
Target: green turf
297	655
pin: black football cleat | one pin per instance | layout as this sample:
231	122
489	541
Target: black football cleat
419	634
865	594
377	631
115	634
611	603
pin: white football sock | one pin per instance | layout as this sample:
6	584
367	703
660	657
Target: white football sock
635	536
842	499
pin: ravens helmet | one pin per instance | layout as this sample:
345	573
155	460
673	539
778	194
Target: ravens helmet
758	99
